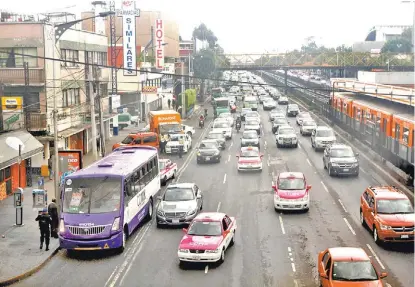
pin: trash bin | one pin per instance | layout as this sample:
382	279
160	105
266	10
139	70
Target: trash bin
115	131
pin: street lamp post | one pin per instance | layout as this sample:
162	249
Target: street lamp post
58	31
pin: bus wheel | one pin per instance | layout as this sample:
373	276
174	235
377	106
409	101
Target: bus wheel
149	215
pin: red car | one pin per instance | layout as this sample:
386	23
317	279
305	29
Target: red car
207	238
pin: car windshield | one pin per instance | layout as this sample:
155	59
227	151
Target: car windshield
92	195
178	194
162	165
225	115
342	152
285	131
250	135
325	133
252	123
175	138
216	136
394	206
354	271
221	125
252	115
128	140
245	111
222	103
249	153
291	183
309	123
208	145
280	121
205	228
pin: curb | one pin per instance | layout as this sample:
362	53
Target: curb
30	272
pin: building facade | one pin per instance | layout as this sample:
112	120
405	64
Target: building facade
45	79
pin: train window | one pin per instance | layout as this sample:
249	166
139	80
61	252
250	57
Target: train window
405	135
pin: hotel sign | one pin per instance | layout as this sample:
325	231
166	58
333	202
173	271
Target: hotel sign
129	12
159	38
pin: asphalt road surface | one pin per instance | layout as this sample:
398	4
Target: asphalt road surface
271	249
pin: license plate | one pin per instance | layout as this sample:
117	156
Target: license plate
175	221
196	257
346	169
207	158
404	236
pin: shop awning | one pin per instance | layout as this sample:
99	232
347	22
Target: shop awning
73	130
9	147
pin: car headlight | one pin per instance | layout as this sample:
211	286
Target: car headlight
334	164
160	212
184	250
212	251
276	196
356	164
385	227
217	153
191	212
116	224
305	198
198	153
280	138
62	226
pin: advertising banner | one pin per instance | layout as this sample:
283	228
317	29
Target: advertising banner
70	161
159	38
149	89
12	112
129	12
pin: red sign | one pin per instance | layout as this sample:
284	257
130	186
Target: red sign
149	90
70	161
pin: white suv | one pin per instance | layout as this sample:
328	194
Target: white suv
286	136
321	137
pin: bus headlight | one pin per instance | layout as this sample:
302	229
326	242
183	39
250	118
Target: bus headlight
116	224
61	226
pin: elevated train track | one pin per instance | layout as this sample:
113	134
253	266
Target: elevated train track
325	60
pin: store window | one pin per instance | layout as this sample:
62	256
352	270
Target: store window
70	97
72	56
15	57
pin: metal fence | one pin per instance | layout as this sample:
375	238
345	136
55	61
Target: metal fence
156	105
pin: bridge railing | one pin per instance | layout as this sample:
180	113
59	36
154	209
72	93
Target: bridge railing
327	59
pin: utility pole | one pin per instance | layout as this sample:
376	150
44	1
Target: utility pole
152	44
183	94
55	127
92	111
101	116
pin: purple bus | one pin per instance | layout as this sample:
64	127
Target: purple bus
103	203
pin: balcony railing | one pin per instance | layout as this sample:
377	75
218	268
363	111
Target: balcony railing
35	122
15	76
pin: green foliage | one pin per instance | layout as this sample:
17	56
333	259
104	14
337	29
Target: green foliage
204	63
202	33
190	98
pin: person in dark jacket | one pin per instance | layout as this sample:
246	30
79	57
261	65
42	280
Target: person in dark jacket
53	212
44	222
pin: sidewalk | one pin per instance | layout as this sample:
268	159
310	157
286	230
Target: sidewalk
20	255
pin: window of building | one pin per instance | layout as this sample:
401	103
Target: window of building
15	57
70	97
69	55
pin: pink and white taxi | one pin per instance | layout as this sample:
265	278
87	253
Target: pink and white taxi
291	192
207	238
249	159
168	170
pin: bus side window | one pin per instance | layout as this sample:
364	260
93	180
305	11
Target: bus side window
127	192
136	182
156	166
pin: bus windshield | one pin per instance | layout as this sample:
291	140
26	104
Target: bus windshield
222	103
92	195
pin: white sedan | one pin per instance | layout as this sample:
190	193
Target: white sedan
228	117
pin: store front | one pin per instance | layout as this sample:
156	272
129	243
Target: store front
14	171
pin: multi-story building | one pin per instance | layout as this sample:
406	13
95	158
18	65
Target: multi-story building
46	79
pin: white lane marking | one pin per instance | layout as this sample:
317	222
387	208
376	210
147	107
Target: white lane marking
374	255
341	203
299	145
309	163
112	275
292	259
230	146
265	143
217	210
295	283
282	225
293	267
229	158
363	170
289	249
273	175
128	259
348	225
224	178
290	254
129	265
206	269
324	186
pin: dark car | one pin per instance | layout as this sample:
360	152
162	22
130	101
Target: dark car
208	151
250	138
340	159
219	137
277	123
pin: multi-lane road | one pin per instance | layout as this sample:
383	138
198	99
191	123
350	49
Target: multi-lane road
271	249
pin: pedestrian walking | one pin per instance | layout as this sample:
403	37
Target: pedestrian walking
169	103
53	212
98	144
162	144
173	104
44	222
50	168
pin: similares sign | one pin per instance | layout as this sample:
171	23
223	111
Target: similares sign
129	38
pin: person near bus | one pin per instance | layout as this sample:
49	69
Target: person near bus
169	103
44	223
53	212
162	144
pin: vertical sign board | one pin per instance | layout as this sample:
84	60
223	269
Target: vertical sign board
159	38
70	161
128	13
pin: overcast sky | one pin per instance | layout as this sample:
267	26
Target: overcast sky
244	26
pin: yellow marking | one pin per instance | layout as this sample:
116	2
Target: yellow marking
87	248
106	246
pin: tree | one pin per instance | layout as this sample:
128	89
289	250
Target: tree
402	44
202	33
204	66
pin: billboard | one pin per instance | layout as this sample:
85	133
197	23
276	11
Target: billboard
159	38
12	112
129	37
69	162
